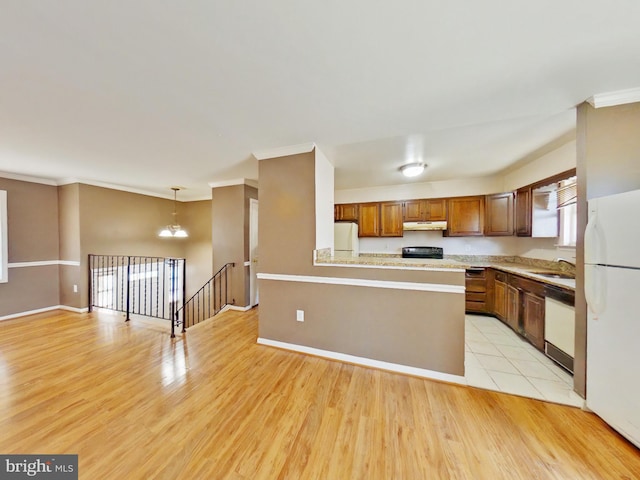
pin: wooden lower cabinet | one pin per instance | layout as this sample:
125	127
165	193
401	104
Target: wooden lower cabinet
513	308
533	319
476	290
500	299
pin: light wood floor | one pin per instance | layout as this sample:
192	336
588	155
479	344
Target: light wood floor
213	405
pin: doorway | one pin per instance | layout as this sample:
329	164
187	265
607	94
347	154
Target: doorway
253	252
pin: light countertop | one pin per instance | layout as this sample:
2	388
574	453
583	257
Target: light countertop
519	266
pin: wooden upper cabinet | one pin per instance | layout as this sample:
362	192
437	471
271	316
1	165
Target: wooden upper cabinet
346	212
369	220
414	210
465	217
524	209
425	210
436	210
499	215
391	219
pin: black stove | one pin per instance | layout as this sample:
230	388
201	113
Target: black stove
422	252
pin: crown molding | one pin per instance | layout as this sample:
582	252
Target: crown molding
113	186
236	181
28	178
610	99
284	151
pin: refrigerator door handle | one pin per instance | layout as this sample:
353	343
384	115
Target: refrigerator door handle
595	288
594	240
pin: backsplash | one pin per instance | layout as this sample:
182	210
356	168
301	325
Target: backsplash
538	248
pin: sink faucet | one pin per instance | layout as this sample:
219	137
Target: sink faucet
560	260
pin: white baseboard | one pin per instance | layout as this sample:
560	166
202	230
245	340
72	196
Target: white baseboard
42	310
366	362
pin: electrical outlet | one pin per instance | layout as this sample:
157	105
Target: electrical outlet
75	289
300	315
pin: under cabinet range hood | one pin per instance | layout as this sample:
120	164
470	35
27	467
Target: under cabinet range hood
409	226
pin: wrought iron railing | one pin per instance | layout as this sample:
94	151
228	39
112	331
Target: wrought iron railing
208	301
147	286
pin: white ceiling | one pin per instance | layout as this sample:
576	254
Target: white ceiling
148	94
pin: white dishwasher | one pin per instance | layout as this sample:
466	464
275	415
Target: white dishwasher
559	332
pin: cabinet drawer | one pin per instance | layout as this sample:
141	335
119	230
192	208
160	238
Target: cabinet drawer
475	285
501	276
475	306
475	273
475	296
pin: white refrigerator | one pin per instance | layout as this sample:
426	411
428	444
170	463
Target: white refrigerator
345	240
612	290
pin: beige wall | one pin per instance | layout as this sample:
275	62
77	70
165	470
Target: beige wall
230	235
69	222
113	222
197	251
407	327
608	162
287	226
69	226
32	224
398	326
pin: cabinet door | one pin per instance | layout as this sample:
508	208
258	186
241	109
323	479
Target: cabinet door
524	210
499	215
391	219
369	220
465	217
513	307
533	319
347	212
435	210
500	300
414	210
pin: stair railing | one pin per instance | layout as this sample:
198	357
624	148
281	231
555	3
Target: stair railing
147	286
212	297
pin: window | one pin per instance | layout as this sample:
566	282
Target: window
4	250
568	210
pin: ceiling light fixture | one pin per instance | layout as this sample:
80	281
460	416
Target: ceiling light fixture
412	169
174	230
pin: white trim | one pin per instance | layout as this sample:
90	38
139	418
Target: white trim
28	178
43	310
284	151
366	362
389	267
236	308
247	263
360	282
236	181
4	239
44	263
619	97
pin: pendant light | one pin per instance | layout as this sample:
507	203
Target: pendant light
174	229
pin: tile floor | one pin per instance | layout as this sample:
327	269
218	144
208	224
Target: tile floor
498	359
